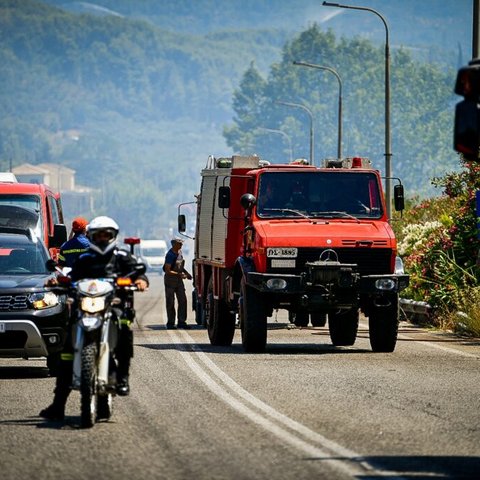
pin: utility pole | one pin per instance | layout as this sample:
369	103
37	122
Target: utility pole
331	70
310	114
388	150
475	29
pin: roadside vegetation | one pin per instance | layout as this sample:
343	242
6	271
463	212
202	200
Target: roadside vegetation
439	242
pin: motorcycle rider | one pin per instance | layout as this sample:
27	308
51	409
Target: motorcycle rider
102	259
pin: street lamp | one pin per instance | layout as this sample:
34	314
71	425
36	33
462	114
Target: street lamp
388	153
280	132
332	70
310	114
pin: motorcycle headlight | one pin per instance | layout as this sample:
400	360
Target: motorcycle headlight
92	304
44	300
90	322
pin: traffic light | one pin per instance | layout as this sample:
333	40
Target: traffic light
467	112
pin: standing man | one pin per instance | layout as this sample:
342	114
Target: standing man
175	273
76	245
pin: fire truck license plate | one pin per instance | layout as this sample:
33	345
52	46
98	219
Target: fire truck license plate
283	263
281	252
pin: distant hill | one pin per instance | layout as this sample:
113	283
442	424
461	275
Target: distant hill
436	29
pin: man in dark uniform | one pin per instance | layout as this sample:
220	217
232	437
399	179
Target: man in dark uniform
102	259
76	245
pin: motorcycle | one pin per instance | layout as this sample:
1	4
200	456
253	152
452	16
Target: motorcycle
100	303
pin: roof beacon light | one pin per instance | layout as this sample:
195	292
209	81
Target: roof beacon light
351	162
356	162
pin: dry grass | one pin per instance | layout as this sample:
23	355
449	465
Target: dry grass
466	319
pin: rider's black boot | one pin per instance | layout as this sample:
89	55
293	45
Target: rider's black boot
123	388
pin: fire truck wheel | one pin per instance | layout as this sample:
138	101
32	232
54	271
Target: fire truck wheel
199	317
253	320
318	319
198	307
383	326
299	319
220	321
343	326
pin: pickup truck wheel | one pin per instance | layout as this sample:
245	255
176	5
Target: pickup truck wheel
220	321
343	327
253	320
318	319
383	326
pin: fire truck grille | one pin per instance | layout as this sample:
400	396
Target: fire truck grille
370	261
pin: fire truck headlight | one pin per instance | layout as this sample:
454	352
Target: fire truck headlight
385	284
276	284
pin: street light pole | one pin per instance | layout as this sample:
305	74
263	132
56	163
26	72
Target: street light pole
388	153
280	132
340	88
310	114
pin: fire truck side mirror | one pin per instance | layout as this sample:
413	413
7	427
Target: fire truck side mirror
467	112
247	201
398	197
59	236
182	223
223	197
467	132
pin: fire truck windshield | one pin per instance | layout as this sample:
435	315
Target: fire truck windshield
319	194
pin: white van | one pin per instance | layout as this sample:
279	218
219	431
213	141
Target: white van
152	253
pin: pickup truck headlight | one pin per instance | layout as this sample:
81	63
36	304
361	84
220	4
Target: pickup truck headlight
44	300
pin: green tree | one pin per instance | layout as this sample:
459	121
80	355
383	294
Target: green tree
248	104
421	97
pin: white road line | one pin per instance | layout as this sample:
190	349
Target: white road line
441	347
342	458
434	345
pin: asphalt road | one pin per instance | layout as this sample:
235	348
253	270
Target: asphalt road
302	410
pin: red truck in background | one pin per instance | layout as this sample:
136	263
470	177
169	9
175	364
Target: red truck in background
314	241
34	206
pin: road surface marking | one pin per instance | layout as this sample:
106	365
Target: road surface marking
434	345
343	459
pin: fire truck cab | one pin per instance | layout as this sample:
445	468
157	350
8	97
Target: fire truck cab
314	241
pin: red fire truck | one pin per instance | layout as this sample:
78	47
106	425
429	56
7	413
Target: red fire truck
314	241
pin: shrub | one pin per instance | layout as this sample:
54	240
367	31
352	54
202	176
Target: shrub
438	240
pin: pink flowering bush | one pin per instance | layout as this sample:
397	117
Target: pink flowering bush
438	241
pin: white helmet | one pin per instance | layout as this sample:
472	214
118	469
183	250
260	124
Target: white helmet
102	243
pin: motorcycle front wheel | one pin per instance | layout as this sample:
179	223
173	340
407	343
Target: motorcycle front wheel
88	388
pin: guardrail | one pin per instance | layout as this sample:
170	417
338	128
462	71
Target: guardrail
416	312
